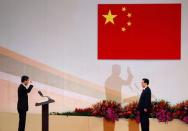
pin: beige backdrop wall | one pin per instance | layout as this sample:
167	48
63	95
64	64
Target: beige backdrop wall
63	35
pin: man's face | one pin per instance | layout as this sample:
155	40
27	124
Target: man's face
143	84
26	82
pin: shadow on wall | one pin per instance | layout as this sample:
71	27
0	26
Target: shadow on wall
114	83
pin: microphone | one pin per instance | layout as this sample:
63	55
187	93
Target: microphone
50	99
40	93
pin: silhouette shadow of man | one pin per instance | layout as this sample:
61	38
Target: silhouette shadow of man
114	83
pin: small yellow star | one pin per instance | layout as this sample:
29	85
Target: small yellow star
123	29
129	23
124	9
109	17
129	15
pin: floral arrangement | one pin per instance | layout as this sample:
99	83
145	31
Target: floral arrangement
130	112
107	109
111	110
162	111
180	111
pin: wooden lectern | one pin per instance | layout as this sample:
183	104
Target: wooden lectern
45	111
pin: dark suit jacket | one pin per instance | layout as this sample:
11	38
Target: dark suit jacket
145	100
22	104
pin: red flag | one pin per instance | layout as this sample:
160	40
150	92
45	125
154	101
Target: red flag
139	31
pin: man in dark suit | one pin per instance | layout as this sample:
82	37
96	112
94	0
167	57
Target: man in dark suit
144	105
22	106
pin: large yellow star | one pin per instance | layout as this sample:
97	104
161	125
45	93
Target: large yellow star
109	17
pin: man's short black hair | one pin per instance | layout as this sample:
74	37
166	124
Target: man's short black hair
146	81
24	78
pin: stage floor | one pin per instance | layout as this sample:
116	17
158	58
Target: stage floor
9	122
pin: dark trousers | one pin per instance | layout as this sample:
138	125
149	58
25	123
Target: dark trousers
22	119
144	120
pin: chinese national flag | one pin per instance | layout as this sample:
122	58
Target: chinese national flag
139	31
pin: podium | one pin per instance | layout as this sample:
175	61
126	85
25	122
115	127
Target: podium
45	111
